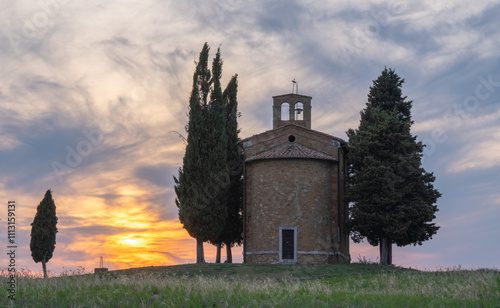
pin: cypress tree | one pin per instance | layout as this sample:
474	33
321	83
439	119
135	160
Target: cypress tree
233	180
392	198
203	181
190	184
43	232
233	228
217	156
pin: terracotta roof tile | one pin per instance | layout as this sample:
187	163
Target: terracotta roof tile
291	151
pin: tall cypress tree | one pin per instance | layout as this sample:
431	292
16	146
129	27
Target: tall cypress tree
392	198
233	228
217	156
190	184
203	181
232	181
43	231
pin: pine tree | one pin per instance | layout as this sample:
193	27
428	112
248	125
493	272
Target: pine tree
43	232
386	93
392	198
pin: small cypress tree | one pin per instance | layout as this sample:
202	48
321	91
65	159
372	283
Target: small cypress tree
43	232
391	196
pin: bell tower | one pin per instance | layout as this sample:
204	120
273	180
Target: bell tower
294	209
292	109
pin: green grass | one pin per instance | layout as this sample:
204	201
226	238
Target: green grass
259	285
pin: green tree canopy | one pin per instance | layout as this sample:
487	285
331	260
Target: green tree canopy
203	184
233	228
43	231
386	94
392	198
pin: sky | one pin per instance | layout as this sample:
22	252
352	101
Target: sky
93	104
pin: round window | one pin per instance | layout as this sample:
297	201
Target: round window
291	138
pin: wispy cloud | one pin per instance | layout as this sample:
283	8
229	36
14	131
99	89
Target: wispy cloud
91	92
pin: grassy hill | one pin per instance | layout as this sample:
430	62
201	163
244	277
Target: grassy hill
259	285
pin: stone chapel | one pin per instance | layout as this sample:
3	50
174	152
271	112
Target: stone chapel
294	184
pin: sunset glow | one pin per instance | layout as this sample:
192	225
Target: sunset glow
94	105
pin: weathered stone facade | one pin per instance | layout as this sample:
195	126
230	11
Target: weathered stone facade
294	184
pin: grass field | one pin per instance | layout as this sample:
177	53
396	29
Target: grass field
250	285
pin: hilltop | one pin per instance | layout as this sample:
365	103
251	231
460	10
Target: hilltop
264	285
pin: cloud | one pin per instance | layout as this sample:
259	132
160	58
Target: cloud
484	154
123	72
157	175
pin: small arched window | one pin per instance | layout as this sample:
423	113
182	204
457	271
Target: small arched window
299	111
285	112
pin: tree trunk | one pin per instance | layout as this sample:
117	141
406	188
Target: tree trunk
380	250
217	257
385	251
389	255
229	255
200	256
44	266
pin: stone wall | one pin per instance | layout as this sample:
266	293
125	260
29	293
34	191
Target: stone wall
299	193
